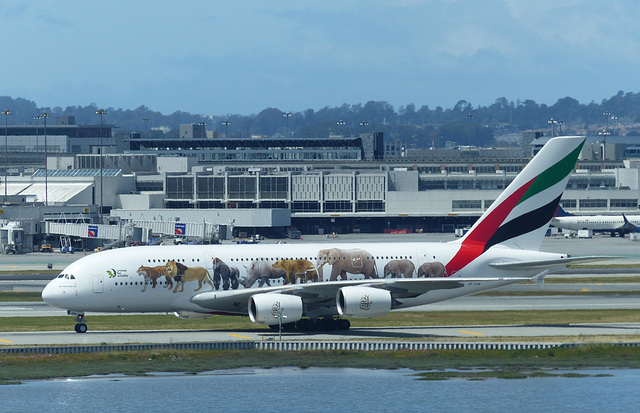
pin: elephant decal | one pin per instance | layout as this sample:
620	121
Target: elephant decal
399	269
343	261
432	270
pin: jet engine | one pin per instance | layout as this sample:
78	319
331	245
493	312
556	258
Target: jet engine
363	302
266	308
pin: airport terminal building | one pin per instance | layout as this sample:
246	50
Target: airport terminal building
224	188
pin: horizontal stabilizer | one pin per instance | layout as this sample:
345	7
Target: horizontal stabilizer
559	262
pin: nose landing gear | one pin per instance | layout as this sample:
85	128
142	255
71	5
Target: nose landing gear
81	327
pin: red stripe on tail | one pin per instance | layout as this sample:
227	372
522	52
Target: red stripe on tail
474	242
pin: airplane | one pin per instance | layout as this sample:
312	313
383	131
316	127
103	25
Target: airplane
313	286
614	224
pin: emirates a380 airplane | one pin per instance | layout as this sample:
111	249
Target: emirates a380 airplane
311	286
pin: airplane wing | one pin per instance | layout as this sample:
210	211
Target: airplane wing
541	264
321	293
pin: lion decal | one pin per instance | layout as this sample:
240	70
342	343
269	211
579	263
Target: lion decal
181	274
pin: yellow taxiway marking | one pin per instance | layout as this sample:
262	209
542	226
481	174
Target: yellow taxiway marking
470	332
5	341
584	290
235	335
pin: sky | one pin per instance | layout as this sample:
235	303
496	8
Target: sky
240	57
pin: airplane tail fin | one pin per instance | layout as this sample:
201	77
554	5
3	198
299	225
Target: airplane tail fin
520	216
560	212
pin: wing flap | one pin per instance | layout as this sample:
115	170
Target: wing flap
542	264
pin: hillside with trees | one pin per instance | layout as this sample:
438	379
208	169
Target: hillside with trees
417	127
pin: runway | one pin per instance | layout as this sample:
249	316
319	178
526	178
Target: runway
409	333
470	303
597	296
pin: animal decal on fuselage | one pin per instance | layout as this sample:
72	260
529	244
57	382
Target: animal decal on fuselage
230	275
343	261
432	270
181	274
151	274
299	269
399	269
263	272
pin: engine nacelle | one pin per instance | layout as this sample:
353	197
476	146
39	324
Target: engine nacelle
363	302
265	308
186	315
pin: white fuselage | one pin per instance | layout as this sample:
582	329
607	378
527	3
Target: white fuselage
111	281
594	222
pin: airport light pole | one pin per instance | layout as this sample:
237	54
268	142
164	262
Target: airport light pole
279	316
101	112
607	116
44	116
341	123
552	122
145	120
226	128
364	125
604	135
203	124
6	114
287	116
469	117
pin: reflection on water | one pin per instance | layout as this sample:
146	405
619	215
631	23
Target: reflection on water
321	390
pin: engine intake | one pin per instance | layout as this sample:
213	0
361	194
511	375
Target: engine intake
363	302
265	308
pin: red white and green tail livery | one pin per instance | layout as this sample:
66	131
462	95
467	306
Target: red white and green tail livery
520	216
315	286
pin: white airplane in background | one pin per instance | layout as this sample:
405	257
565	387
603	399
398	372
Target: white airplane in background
615	224
309	286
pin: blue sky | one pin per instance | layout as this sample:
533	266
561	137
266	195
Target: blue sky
219	57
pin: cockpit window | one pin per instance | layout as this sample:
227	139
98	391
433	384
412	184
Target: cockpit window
72	277
60	276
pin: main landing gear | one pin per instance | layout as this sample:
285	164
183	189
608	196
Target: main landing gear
315	324
81	327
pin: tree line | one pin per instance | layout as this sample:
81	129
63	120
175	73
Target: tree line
420	127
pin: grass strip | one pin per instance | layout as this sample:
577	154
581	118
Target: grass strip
393	319
17	367
20	296
29	272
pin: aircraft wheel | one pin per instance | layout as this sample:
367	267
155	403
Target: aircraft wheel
81	328
343	324
288	326
324	324
304	324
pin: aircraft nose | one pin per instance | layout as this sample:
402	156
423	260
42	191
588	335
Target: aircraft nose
53	295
